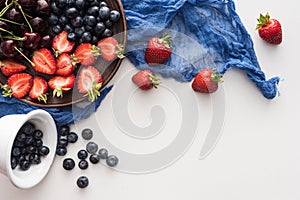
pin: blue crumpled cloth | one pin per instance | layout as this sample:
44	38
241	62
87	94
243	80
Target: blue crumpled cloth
65	115
214	37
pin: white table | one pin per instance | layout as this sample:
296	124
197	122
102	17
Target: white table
257	156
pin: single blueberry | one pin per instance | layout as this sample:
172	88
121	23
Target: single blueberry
92	147
112	160
72	137
103	153
61	151
94	158
114	16
82	154
83	164
68	164
87	134
82	182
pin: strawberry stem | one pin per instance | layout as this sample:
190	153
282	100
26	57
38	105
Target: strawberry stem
262	20
216	77
166	40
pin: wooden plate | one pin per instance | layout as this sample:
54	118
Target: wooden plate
107	69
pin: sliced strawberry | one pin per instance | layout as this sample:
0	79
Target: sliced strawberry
10	66
110	49
44	61
61	84
39	89
89	82
65	66
18	85
86	54
61	44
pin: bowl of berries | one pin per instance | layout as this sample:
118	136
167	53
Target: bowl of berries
27	150
56	53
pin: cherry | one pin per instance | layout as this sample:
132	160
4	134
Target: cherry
38	24
43	7
8	48
14	15
31	40
45	41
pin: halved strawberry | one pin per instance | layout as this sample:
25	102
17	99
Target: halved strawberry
65	66
18	85
61	84
89	82
86	54
61	44
39	89
44	61
110	48
10	66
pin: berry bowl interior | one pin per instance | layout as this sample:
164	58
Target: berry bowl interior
106	68
10	125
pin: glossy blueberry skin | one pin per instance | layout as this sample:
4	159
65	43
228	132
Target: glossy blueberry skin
103	153
61	151
92	147
87	134
44	150
114	16
82	154
83	164
68	164
82	182
64	130
72	137
112	160
94	158
104	12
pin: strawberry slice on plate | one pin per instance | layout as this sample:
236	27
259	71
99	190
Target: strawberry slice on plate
86	54
65	66
61	84
61	44
44	61
18	85
39	89
10	66
110	49
89	82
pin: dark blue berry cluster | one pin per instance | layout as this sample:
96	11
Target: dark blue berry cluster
84	20
28	148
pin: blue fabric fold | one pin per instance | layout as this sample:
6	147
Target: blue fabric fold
206	34
65	115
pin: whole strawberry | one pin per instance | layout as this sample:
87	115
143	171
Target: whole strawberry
269	29
206	81
158	50
145	79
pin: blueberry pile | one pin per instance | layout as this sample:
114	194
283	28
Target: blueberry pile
28	148
84	20
90	154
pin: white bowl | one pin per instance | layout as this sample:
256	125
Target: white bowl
9	127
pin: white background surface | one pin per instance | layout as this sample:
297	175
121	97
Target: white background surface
257	157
